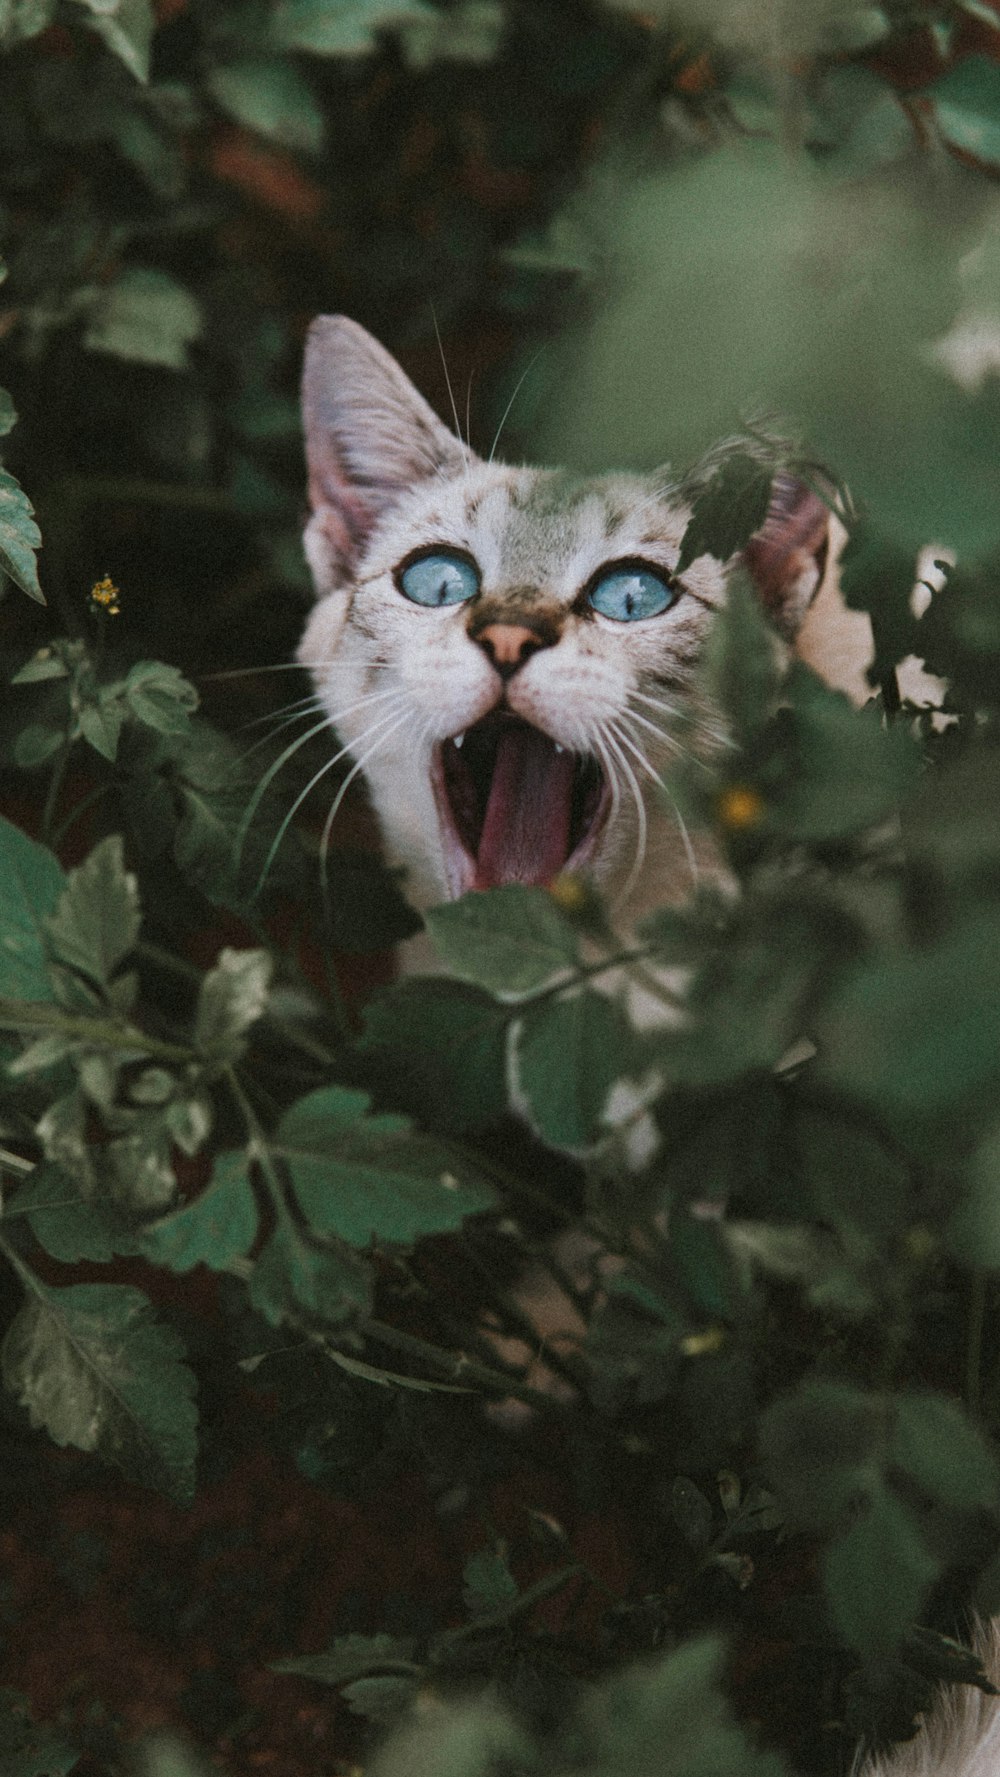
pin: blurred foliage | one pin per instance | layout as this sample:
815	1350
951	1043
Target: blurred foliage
780	1395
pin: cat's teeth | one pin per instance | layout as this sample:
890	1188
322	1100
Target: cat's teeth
457	739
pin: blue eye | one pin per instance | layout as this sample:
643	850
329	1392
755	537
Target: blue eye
626	594
439	579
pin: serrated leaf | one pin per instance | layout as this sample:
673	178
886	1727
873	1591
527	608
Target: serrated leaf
569	1052
93	1367
69	1226
127	28
295	1275
160	696
511	940
232	997
31	882
351	1656
877	1575
97	919
29	1748
146	317
725	515
488	1586
365	1178
20	537
272	97
216	1227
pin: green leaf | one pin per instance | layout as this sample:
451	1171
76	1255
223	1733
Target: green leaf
160	696
823	1445
381	1699
216	1227
510	940
232	997
367	908
101	723
741	663
31	882
834	770
468	32
34	744
272	97
877	1576
340	27
445	1045
127	28
917	1034
97	918
29	1748
488	1586
569	1053
672	1718
95	1369
8	416
966	103
876	575
351	1656
69	1226
725	515
365	1178
20	537
145	316
936	1446
295	1274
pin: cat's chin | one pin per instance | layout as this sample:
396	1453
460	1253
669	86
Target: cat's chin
515	806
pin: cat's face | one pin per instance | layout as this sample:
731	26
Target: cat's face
507	654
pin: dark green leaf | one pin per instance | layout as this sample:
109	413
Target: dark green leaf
20	537
351	1656
31	882
936	1446
272	97
742	663
68	1225
725	515
877	1575
445	1046
488	1585
101	724
127	28
570	1052
147	317
92	1365
345	28
8	417
510	940
365	1178
296	1275
824	1447
216	1227
966	103
97	918
160	696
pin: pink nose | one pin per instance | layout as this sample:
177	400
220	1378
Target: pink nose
509	645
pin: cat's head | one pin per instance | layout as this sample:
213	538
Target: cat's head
507	653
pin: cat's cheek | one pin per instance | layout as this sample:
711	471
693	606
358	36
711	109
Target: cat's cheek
323	631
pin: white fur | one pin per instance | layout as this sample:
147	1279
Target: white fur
960	1737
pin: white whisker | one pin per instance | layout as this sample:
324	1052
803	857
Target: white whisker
359	763
689	851
506	412
614	737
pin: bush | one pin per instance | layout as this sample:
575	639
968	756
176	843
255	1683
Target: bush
263	1208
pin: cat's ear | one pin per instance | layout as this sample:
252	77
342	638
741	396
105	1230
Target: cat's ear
369	437
787	557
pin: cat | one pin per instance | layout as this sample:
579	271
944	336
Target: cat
508	653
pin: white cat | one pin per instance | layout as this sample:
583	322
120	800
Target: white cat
961	1735
508	653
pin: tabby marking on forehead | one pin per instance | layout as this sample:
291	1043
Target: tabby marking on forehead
507	653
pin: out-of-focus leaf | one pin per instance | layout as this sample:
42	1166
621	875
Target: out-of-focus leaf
341	27
446	1044
966	103
511	940
145	316
272	97
217	1226
8	417
29	1748
469	32
97	918
160	696
127	28
877	1575
569	1053
232	997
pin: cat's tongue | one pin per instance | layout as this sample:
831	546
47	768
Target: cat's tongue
526	828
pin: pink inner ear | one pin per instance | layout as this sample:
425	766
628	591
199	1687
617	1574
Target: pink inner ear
788	555
345	516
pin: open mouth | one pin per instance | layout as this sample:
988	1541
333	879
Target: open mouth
514	805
